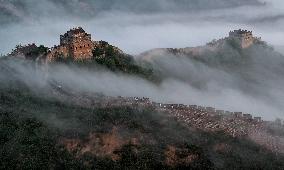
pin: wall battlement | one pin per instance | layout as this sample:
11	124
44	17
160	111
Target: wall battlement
245	37
240	33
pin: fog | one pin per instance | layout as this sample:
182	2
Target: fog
218	92
253	85
138	31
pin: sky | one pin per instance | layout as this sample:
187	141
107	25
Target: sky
135	32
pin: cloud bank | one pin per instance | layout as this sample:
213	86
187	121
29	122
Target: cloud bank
220	87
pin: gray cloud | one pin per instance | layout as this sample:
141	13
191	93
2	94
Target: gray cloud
220	89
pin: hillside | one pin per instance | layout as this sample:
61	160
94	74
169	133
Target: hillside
51	127
224	57
106	56
77	48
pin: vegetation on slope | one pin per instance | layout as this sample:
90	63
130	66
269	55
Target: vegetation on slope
38	132
111	57
40	50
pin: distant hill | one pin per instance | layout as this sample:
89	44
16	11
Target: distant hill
219	61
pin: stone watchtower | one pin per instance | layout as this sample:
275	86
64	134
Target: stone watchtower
75	44
78	43
244	37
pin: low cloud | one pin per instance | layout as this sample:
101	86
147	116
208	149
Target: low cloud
216	90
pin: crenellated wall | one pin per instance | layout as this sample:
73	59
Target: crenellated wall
245	37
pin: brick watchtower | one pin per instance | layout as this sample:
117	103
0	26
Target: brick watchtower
79	44
75	44
245	38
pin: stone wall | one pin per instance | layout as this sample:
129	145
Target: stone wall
56	52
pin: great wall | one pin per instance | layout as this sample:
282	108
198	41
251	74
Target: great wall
208	119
